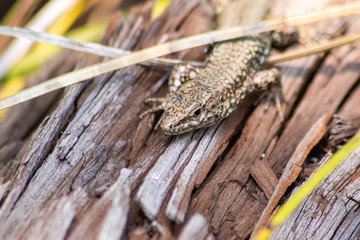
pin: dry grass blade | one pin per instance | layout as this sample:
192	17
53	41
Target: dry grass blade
82	46
63	42
287	56
175	46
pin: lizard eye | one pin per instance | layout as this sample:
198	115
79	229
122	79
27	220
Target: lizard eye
197	112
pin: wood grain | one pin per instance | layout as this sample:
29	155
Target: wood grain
84	159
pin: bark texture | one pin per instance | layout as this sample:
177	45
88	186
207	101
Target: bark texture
80	164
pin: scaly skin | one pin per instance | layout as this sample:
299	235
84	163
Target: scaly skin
207	97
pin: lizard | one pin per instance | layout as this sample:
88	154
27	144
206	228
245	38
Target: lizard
203	97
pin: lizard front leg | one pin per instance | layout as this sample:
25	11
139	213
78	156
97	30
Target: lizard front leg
269	79
162	106
180	74
264	79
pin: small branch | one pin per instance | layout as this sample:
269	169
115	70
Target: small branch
292	169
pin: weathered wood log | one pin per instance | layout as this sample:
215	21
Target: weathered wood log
91	169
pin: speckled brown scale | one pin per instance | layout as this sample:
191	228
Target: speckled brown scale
204	97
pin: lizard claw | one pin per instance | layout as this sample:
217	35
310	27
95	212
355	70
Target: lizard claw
151	100
160	107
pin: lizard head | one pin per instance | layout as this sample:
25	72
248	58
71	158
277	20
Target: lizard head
189	109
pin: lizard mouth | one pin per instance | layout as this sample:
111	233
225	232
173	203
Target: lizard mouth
176	124
177	129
